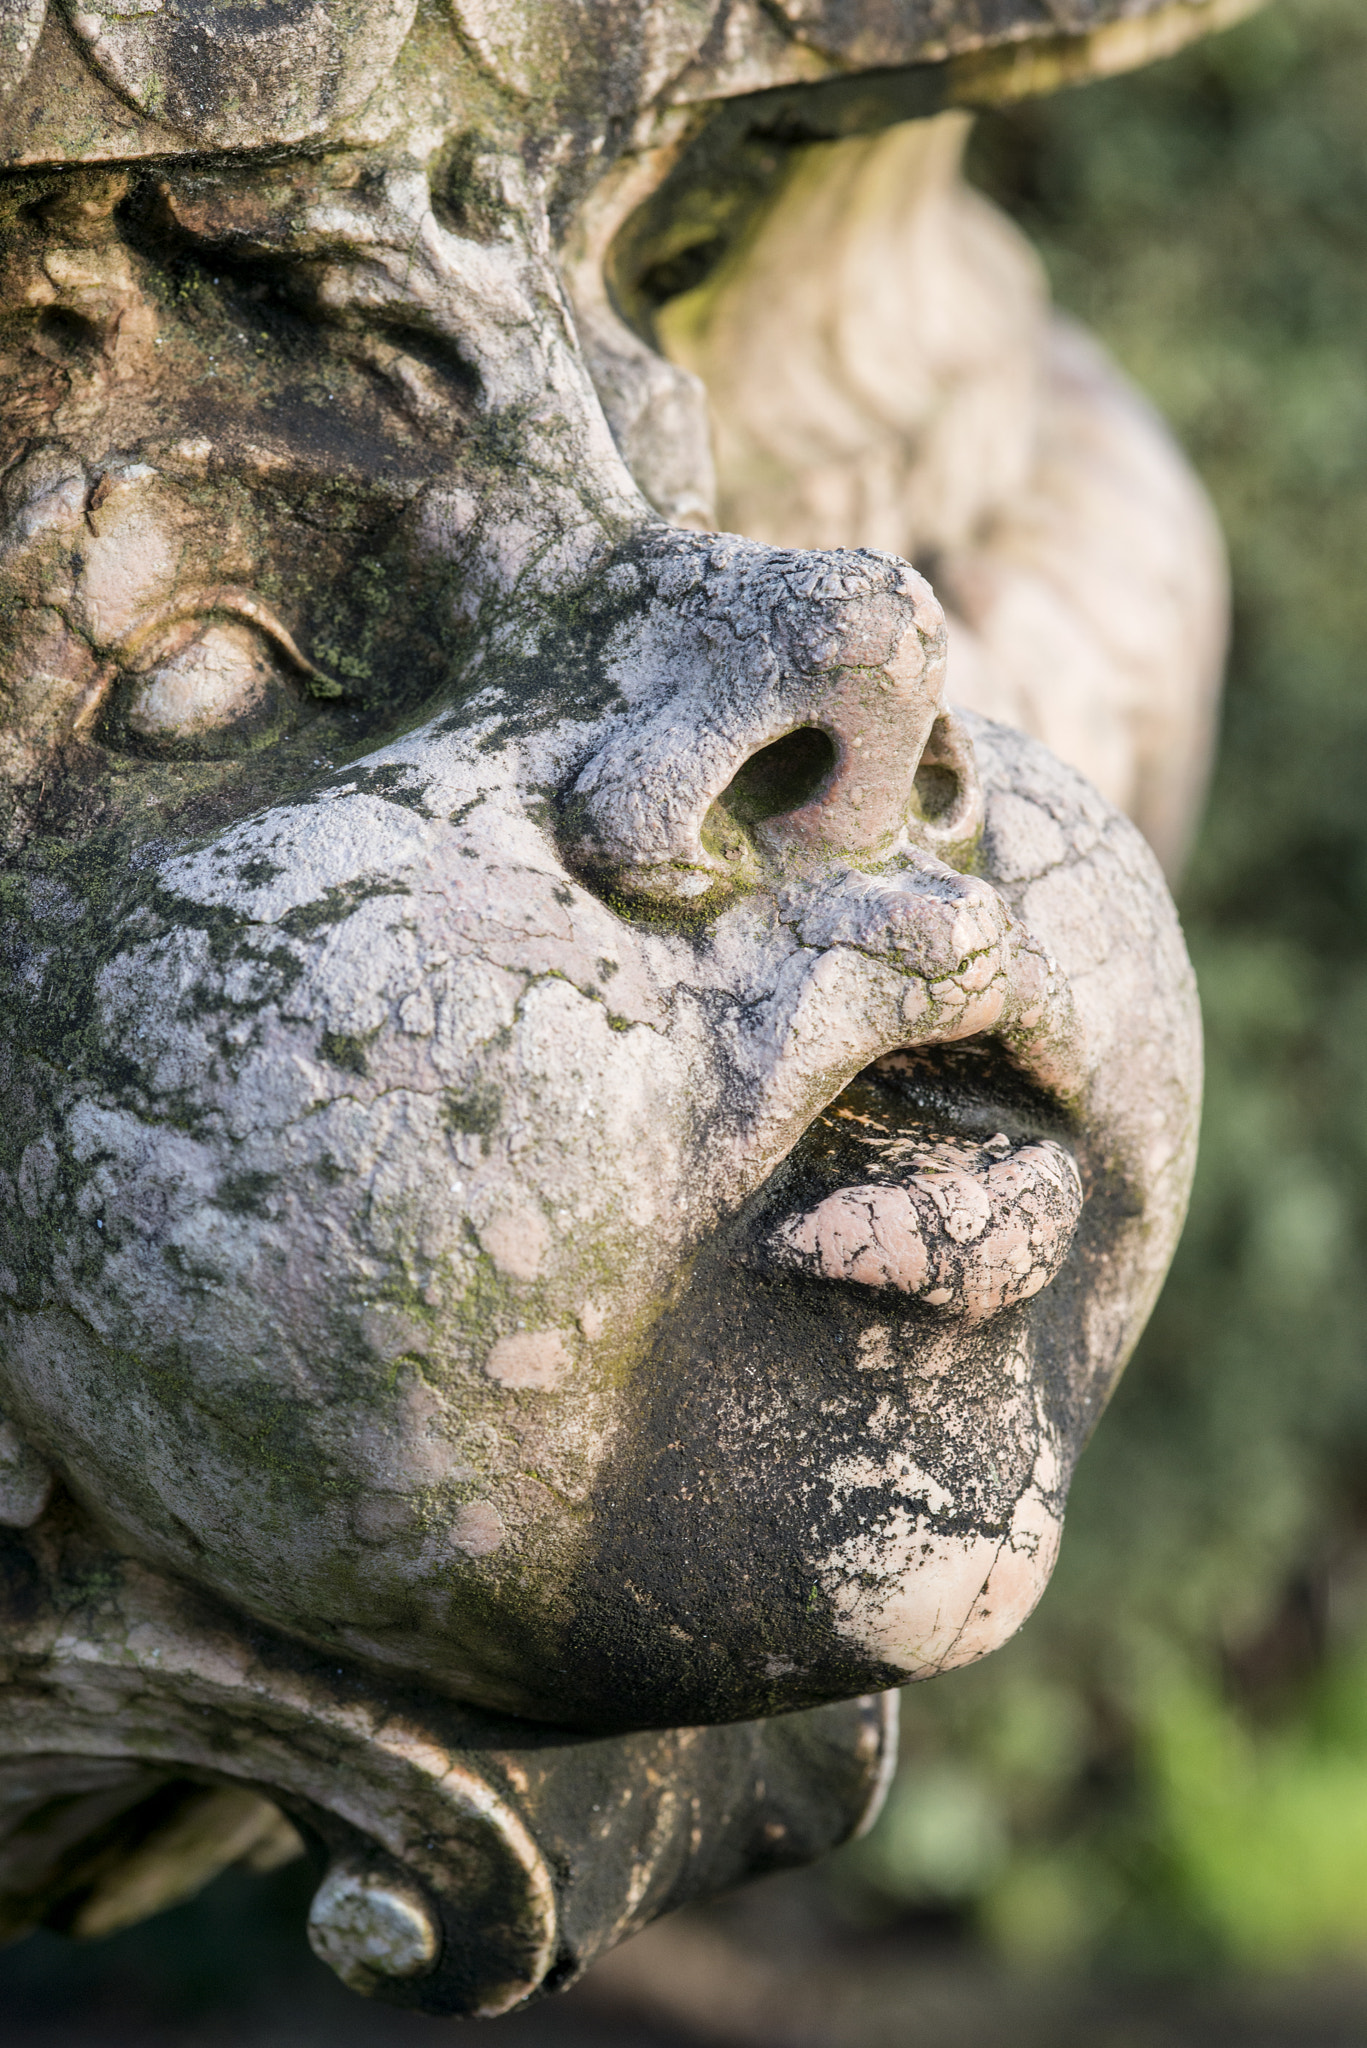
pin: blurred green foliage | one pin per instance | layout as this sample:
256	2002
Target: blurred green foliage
1169	1767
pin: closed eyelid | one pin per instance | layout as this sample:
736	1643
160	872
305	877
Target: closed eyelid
226	600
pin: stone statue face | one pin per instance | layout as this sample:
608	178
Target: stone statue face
570	1132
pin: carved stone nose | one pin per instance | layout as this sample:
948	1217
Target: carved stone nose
779	703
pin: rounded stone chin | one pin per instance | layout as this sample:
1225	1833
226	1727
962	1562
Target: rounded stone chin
927	1602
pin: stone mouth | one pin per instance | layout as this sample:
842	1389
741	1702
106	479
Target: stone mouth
939	1173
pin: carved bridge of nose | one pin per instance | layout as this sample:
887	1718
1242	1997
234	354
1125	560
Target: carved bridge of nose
731	649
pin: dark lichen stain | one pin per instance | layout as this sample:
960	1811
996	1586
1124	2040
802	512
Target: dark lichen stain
335	905
346	1050
256	874
716	1505
394	782
20	1580
245	1194
474	1112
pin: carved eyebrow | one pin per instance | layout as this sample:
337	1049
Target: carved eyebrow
227	599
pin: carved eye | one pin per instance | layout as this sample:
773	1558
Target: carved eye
205	687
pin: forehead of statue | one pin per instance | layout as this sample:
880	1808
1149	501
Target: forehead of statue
85	81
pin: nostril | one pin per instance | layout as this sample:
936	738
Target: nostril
781	777
937	790
948	793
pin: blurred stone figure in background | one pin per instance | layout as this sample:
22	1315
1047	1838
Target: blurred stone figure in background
883	370
583	1151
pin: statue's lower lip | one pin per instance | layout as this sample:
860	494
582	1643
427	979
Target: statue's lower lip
968	1229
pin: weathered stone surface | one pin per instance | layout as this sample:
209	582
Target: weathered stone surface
80	82
582	1152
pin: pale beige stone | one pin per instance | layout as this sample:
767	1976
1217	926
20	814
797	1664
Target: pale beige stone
478	1529
517	1242
536	1359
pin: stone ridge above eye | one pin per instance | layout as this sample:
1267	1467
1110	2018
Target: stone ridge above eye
93	80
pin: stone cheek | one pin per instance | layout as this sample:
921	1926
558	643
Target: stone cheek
339	1227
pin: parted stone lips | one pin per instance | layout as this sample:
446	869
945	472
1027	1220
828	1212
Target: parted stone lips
967	1226
967	1221
782	727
